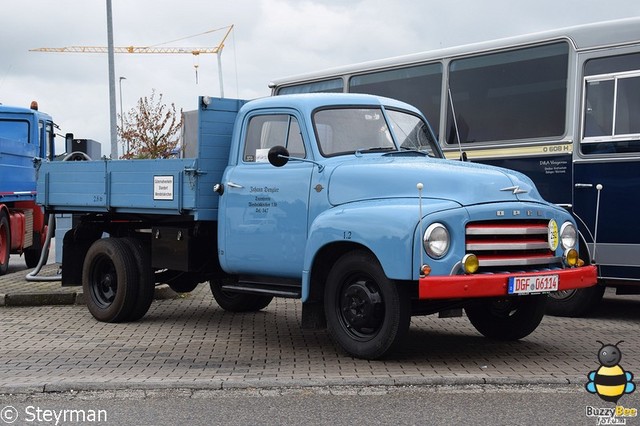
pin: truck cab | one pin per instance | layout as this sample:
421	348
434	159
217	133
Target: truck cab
25	135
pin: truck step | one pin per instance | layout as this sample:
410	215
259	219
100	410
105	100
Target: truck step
292	290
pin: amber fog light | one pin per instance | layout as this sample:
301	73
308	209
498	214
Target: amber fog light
470	263
571	257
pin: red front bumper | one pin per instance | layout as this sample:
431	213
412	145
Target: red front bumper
492	285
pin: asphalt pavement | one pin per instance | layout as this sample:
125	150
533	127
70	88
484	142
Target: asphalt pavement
52	344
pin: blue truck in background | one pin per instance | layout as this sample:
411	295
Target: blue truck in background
343	201
26	135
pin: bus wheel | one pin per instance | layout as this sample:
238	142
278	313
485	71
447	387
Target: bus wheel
5	242
367	314
575	303
510	318
109	280
237	302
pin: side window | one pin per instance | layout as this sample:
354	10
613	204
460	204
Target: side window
510	95
17	130
266	131
330	86
611	105
420	86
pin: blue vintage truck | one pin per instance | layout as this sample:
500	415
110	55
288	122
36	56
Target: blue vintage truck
341	200
26	134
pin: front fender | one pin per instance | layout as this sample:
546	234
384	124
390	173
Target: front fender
385	227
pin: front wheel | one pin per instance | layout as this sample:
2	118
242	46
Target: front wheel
367	314
510	318
5	242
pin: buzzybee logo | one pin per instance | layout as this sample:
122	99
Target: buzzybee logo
610	382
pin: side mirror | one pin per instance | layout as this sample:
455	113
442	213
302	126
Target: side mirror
278	156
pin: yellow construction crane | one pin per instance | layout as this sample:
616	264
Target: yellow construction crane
195	51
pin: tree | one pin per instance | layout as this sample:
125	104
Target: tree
151	130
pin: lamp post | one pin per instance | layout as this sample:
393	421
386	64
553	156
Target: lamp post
122	111
112	84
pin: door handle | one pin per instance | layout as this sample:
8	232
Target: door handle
234	185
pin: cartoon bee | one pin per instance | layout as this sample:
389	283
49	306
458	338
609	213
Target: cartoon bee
610	381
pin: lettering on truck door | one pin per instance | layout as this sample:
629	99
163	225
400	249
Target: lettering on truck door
265	206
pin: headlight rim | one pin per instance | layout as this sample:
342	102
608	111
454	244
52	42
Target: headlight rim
426	241
563	228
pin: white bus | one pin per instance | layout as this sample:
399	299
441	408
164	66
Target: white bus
561	106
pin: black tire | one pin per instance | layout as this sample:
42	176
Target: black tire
575	303
183	282
32	256
146	284
5	242
368	315
109	280
510	318
237	302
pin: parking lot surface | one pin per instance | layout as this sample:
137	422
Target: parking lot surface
187	341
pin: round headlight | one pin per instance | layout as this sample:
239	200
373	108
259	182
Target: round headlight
436	240
568	235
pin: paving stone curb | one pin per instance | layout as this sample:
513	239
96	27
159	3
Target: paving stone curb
64	387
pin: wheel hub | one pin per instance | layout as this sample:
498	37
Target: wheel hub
361	306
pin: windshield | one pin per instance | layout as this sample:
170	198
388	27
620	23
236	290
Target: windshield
349	130
412	133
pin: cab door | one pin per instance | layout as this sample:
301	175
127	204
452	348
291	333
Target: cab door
265	221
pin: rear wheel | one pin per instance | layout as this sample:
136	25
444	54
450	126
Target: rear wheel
367	314
237	302
146	285
509	318
5	242
109	280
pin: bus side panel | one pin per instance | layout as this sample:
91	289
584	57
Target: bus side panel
552	174
617	248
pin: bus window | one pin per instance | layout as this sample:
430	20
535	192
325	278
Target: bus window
509	95
420	86
611	105
599	109
331	86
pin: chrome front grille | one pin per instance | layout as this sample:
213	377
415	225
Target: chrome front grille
510	245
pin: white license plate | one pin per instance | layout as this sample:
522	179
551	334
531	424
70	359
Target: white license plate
533	284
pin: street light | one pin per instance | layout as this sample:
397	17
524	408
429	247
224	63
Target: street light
121	111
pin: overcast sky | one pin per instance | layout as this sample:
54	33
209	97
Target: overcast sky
271	39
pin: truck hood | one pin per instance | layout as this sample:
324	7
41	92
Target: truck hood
388	176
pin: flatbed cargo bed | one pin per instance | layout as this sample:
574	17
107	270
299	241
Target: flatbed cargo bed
175	186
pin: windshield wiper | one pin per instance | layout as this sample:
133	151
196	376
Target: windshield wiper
408	151
376	149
